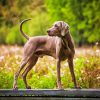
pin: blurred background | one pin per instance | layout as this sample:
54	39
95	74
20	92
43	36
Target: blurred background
83	17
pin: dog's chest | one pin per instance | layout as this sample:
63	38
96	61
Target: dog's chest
64	53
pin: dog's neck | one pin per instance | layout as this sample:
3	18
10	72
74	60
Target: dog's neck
68	42
64	40
65	43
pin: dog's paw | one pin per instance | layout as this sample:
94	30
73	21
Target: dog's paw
15	88
28	87
60	88
77	87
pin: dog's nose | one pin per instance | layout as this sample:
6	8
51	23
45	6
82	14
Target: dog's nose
48	31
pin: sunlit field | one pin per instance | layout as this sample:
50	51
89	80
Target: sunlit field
43	74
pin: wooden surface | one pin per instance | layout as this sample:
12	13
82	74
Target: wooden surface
48	94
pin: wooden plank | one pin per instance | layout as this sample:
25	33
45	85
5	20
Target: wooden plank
45	98
71	93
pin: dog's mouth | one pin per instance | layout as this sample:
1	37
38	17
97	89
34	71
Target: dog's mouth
52	34
49	33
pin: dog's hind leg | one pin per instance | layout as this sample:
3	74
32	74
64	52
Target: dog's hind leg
23	63
32	62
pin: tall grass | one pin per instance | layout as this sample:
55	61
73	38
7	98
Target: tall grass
43	74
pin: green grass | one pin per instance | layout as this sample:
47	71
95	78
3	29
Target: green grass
43	75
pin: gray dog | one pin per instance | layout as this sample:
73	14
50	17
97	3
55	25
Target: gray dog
59	44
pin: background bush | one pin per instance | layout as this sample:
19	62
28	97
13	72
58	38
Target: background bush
82	16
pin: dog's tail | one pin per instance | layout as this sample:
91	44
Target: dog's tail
26	36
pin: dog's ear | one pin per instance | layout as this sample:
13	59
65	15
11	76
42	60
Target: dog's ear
65	28
63	32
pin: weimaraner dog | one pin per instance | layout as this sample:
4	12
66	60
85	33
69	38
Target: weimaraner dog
58	44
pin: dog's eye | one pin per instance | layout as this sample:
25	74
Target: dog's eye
56	25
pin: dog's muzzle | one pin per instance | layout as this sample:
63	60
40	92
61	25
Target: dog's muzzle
49	32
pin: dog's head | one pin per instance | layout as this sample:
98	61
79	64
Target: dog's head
59	28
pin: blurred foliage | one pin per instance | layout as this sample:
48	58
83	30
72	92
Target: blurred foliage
43	74
83	16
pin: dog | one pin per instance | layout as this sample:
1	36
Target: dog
58	44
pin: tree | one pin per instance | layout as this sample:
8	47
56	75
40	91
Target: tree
82	16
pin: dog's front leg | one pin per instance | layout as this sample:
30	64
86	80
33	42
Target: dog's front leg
58	57
58	75
70	62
